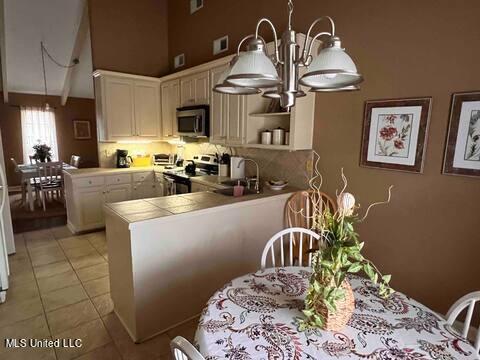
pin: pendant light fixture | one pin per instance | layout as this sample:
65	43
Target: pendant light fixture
277	75
44	51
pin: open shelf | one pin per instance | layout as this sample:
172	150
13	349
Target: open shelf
270	147
270	114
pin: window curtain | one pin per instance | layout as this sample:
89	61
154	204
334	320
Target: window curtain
38	126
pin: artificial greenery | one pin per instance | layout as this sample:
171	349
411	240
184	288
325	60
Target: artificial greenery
340	255
42	152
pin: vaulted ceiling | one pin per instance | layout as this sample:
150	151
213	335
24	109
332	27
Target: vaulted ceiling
58	24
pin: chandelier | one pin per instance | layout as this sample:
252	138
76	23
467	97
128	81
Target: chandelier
253	71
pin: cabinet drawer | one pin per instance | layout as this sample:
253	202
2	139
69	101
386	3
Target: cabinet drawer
143	176
118	179
87	182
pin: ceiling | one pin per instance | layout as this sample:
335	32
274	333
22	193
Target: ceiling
55	22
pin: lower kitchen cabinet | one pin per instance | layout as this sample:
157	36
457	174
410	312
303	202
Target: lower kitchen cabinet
117	193
89	207
85	196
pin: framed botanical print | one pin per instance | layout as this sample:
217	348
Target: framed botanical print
81	130
462	150
395	133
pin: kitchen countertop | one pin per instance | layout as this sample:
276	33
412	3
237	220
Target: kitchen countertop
145	209
111	171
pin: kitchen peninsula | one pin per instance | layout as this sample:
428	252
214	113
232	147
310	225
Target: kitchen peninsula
167	255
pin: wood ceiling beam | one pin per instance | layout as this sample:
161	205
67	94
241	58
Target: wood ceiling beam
80	37
3	53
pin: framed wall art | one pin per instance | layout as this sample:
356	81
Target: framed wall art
462	149
395	134
81	130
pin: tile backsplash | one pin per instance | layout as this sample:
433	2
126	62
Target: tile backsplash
294	167
274	164
107	151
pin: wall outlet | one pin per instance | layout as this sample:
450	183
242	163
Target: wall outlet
220	45
179	61
195	5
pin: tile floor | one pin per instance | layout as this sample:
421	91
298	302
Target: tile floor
59	288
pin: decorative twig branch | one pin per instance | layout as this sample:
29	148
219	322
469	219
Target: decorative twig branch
378	203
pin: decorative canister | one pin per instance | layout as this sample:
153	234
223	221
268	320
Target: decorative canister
287	137
266	137
278	136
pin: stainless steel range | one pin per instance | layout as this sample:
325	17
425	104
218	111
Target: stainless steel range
177	179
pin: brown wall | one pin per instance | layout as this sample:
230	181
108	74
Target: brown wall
76	108
428	236
129	36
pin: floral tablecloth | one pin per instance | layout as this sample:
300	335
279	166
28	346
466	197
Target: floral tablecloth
255	317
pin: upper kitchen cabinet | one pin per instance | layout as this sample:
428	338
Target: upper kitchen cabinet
227	114
170	102
195	89
127	106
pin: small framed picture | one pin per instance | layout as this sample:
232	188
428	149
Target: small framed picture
81	129
395	134
462	149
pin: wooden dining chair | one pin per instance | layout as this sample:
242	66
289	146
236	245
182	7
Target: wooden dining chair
75	160
183	350
299	210
282	246
32	159
466	302
50	176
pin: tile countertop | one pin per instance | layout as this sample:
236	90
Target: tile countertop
140	210
110	171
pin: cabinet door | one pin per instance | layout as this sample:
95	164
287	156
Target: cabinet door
119	108
117	193
187	91
170	101
90	202
144	190
236	119
201	88
159	189
147	109
218	120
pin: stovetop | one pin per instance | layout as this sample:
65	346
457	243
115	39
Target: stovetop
181	173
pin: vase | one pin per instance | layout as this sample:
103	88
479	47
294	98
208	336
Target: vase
42	158
335	321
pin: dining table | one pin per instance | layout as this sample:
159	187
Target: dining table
30	171
256	316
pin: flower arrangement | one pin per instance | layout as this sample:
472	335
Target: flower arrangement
329	302
42	152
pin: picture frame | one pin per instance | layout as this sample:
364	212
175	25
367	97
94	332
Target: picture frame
82	130
462	146
394	134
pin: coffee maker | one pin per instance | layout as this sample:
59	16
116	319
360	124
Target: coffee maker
123	160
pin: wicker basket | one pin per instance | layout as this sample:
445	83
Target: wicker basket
337	321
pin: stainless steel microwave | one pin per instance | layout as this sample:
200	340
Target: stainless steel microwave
193	121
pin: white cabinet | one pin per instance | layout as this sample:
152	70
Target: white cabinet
90	206
218	120
86	195
119	109
117	193
170	92
147	109
227	115
194	89
127	106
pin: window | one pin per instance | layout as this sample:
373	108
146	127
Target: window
38	126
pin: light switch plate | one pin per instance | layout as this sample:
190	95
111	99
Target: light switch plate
179	61
195	5
220	45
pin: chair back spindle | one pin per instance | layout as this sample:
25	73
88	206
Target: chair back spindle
296	255
466	302
183	350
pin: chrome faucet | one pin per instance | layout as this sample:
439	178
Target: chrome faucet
257	179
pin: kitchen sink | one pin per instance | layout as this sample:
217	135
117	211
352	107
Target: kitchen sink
229	192
234	182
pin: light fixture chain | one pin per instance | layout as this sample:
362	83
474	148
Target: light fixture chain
44	49
290	12
44	72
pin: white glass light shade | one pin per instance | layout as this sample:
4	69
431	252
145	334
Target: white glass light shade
224	87
332	68
254	69
339	89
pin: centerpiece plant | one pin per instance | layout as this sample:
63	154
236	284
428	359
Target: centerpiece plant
329	302
43	152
